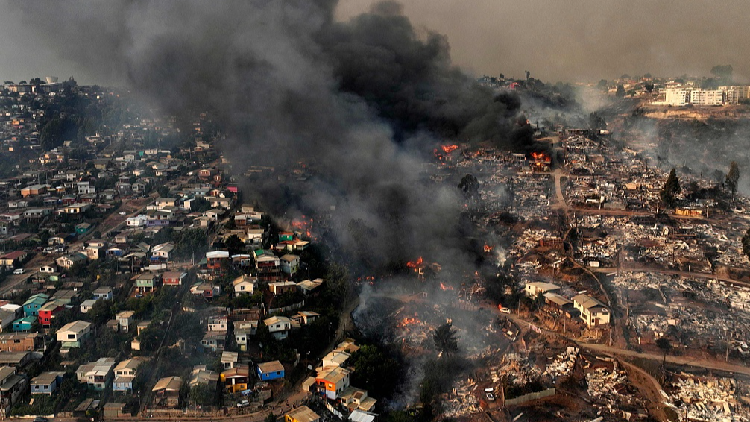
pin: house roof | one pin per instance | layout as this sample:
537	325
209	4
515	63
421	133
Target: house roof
241	371
75	326
46	378
544	286
217	254
337	358
367	404
309	284
243	279
18	336
168	384
12	358
361	416
11	382
268	367
201	375
277	320
229	356
303	414
101	363
132	363
557	299
587	302
335	375
173	274
13	255
282	284
6	371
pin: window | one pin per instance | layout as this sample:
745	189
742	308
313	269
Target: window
71	336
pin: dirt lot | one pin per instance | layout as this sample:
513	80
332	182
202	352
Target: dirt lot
130	208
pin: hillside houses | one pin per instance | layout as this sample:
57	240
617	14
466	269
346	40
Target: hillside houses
131	249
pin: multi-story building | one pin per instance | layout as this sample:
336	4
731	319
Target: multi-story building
20	342
677	96
96	374
707	97
593	312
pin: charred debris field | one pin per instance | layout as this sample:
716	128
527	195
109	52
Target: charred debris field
266	210
574	276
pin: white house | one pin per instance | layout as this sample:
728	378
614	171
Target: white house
244	285
534	289
86	305
593	312
73	334
289	263
163	251
104	293
47	269
96	374
137	221
85	188
278	326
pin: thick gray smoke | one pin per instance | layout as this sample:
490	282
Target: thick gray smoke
358	101
589	40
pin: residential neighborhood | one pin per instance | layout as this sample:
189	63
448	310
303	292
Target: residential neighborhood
135	280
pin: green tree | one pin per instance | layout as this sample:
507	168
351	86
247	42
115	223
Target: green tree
203	395
671	189
445	339
234	245
733	178
163	191
620	91
200	205
374	370
151	338
101	312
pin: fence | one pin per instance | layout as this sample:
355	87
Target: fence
291	307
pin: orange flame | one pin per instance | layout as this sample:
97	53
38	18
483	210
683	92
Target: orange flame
415	264
444	287
449	148
409	321
540	156
488	248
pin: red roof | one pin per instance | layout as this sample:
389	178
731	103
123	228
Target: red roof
13	255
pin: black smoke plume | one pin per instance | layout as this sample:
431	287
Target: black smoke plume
359	100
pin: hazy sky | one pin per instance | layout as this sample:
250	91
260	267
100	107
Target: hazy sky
586	40
569	40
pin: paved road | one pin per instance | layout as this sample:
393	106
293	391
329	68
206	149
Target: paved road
678	360
687	274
